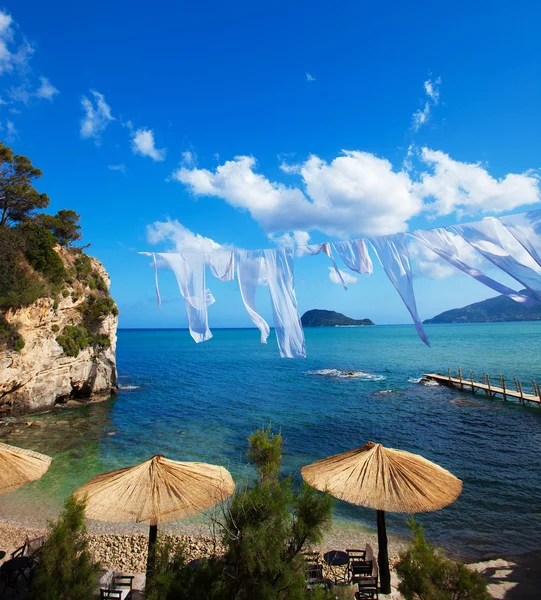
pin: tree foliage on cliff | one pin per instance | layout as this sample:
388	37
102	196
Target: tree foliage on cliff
64	226
31	264
264	529
18	197
66	570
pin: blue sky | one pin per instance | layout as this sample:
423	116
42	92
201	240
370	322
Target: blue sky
228	120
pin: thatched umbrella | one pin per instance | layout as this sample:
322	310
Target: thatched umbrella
387	480
19	467
155	492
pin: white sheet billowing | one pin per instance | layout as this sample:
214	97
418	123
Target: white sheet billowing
441	242
354	254
248	271
287	323
392	252
313	249
189	270
526	228
484	237
221	264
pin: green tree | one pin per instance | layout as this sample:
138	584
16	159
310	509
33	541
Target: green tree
66	570
18	197
39	250
427	574
64	226
268	524
263	529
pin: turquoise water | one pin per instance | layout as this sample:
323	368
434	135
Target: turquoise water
199	402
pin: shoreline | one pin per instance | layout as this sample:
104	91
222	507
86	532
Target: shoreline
508	575
123	546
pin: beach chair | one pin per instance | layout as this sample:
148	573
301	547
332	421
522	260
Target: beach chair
367	586
314	571
360	563
20	551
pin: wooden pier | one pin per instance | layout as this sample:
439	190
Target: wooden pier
490	390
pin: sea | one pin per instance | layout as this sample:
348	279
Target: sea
199	402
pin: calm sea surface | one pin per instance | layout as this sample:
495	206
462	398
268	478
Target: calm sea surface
200	402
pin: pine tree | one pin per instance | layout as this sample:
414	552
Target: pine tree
66	570
427	574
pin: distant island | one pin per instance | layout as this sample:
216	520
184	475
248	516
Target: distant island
493	310
330	318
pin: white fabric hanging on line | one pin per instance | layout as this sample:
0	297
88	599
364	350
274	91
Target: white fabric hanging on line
484	237
526	228
222	264
189	270
354	254
287	324
392	252
441	242
248	271
313	249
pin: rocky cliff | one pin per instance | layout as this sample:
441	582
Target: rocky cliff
44	372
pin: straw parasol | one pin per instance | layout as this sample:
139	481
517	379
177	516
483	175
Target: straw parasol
19	467
387	480
155	492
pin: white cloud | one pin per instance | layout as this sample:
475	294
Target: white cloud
179	238
348	279
189	159
121	168
11	131
46	89
356	193
432	90
97	115
422	115
295	238
15	57
310	77
143	144
468	188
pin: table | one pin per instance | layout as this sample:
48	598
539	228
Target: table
14	568
338	562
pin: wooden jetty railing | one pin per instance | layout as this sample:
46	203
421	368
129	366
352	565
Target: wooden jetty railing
489	389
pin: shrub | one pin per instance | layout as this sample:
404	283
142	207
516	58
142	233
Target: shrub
427	574
97	307
73	339
83	267
18	287
66	570
10	338
65	293
39	250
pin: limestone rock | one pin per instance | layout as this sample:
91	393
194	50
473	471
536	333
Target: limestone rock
41	375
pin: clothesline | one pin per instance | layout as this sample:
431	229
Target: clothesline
392	253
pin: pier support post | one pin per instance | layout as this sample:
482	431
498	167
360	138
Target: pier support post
460	375
471	379
502	381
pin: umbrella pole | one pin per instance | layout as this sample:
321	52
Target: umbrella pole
383	554
151	559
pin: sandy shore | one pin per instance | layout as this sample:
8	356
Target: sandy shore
124	547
